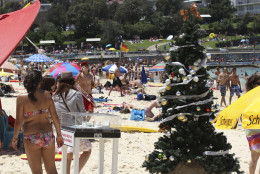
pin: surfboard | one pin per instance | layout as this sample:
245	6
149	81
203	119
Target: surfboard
134	129
57	157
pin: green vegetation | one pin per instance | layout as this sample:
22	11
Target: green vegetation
144	45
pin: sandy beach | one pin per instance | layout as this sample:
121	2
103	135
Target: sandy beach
133	147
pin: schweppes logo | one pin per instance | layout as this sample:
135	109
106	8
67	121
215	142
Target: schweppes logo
253	120
227	122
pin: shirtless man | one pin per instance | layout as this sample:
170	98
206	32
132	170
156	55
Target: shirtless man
116	80
85	82
137	83
235	85
222	80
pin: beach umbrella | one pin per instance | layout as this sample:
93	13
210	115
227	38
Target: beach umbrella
108	45
9	67
246	107
84	58
243	40
2	73
111	49
158	67
66	66
111	68
143	76
39	58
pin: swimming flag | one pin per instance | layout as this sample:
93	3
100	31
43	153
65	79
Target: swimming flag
124	48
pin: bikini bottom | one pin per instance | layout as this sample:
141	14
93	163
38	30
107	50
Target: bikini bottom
40	139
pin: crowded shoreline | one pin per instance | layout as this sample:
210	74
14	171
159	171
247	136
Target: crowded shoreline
136	145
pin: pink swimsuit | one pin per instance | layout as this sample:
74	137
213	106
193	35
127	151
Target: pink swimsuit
39	139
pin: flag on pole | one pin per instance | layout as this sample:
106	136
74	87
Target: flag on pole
124	48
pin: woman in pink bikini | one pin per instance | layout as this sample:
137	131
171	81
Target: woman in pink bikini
33	109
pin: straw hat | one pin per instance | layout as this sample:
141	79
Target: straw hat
66	75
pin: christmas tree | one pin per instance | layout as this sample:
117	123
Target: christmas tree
187	105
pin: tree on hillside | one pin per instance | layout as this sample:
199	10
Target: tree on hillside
129	12
111	30
81	15
256	24
191	144
242	24
220	9
169	7
10	7
58	14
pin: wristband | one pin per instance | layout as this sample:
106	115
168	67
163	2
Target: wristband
15	139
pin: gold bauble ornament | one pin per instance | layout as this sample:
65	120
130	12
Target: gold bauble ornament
147	158
164	101
167	57
168	87
189	161
184	77
170	77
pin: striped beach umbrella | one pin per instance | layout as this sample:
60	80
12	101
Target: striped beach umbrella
66	66
158	67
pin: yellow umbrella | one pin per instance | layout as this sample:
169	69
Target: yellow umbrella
84	58
111	49
2	73
246	107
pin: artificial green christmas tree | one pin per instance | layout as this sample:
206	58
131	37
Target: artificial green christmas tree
187	105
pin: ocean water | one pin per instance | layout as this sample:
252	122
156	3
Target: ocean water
240	71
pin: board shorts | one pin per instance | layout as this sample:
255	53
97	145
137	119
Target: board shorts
222	89
88	105
117	82
233	89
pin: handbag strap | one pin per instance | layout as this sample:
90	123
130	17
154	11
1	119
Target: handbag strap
65	103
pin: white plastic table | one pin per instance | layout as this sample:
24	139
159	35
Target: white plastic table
101	155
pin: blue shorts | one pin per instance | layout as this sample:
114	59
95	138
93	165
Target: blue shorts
233	89
222	89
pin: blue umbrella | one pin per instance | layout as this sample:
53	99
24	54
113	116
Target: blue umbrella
108	45
143	76
111	68
39	58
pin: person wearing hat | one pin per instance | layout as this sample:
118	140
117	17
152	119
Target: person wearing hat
85	82
68	99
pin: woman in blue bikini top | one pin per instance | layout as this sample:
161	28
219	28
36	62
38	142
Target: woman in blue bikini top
33	109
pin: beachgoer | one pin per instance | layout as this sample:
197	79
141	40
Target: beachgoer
48	84
32	111
85	81
253	134
222	80
235	85
137	83
217	72
149	116
116	80
74	101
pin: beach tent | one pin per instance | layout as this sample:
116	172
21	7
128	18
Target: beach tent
14	26
158	67
111	68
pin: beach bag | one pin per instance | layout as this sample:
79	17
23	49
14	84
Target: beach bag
149	97
140	96
137	115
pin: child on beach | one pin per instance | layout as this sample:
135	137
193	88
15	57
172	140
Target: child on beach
253	134
32	111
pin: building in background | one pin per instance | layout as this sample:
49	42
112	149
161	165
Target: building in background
244	6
